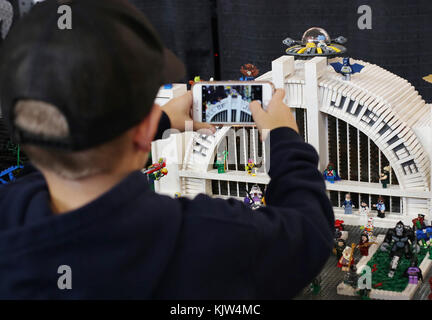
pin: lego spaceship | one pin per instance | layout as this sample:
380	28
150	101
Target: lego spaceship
315	42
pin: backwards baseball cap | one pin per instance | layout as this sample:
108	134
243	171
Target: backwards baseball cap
102	75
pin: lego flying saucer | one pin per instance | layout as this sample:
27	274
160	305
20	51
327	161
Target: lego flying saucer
315	42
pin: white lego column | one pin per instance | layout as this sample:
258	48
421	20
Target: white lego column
171	148
316	125
281	68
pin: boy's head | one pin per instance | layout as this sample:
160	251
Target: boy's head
77	99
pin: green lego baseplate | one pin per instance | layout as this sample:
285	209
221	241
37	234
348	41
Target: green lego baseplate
380	279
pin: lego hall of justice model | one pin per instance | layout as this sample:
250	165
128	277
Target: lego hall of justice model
375	130
371	128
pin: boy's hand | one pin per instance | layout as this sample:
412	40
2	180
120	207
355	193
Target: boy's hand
179	111
278	114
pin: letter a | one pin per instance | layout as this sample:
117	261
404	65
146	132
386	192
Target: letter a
365	280
365	20
65	280
65	21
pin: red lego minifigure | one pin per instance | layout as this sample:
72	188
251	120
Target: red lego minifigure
418	223
364	245
339	225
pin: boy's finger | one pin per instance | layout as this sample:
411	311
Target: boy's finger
204	126
257	110
279	95
277	98
184	102
187	99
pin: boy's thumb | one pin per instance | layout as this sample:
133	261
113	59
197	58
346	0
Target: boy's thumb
256	109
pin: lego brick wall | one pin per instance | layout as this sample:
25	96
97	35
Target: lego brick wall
251	31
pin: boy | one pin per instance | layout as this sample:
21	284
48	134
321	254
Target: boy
85	225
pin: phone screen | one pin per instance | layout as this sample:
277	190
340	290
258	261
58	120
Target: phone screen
229	103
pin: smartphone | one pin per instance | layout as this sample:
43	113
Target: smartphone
227	102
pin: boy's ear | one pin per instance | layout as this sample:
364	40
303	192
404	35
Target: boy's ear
147	129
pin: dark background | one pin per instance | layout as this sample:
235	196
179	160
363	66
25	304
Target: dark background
240	31
215	37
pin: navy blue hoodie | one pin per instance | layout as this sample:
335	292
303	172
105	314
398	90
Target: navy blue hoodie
132	243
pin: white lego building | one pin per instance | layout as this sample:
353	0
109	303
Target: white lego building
361	126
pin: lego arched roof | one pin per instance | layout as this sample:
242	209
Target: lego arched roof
386	108
382	105
389	91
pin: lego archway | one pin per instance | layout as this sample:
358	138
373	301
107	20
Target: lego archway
380	104
384	127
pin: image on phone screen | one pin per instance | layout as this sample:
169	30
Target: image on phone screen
229	103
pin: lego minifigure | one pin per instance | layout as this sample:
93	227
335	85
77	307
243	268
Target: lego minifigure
380	207
347	258
348	204
368	228
364	212
159	174
321	42
397	242
338	234
339	224
351	277
422	238
250	167
177	195
330	174
364	209
339	247
249	72
413	273
385	176
254	198
221	162
157	170
315	286
364	244
419	222
346	68
339	227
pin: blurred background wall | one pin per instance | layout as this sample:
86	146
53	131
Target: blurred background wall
215	37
